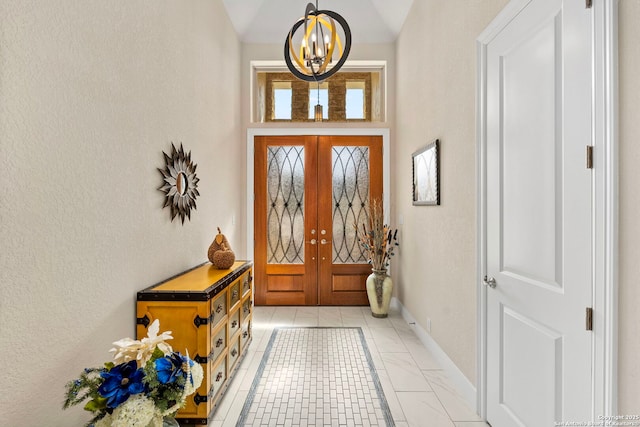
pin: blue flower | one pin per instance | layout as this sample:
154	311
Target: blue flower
170	368
121	382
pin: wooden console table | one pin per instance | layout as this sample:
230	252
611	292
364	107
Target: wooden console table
209	313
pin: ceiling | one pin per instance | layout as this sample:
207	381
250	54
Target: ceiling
268	21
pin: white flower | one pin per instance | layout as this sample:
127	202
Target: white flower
194	375
127	349
153	339
198	375
137	411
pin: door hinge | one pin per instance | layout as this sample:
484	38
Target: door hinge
589	3
589	319
589	156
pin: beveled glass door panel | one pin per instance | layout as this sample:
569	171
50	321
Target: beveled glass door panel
285	204
350	201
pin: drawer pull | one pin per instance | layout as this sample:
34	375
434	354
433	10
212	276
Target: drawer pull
245	308
245	334
219	342
234	294
219	308
234	324
234	352
218	377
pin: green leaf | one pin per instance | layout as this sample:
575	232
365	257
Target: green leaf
157	354
96	404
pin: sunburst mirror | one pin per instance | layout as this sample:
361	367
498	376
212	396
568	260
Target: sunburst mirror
180	183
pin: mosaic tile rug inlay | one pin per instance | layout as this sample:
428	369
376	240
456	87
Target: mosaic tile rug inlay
316	377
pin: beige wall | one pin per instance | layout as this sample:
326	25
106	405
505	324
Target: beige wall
629	288
437	271
436	87
91	93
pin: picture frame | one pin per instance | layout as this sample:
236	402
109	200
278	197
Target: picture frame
426	175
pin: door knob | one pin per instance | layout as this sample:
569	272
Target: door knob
490	282
324	241
313	241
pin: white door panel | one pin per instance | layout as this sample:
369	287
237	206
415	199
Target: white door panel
531	147
539	244
520	385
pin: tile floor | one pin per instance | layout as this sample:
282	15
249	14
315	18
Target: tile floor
317	377
416	388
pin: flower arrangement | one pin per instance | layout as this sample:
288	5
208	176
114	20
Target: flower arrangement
377	239
146	382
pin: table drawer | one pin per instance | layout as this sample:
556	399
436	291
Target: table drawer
245	336
234	323
246	283
218	377
218	309
246	309
234	293
234	352
218	343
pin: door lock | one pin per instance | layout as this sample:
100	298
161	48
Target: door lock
490	282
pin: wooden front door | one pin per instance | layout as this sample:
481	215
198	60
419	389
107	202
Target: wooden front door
310	191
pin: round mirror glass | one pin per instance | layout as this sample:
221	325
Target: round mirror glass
181	183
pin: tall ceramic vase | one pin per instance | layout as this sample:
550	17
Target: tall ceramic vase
379	287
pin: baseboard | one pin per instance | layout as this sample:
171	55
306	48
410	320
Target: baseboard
462	384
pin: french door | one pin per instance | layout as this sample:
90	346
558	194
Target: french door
310	191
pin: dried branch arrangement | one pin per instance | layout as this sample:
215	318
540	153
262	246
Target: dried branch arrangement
377	239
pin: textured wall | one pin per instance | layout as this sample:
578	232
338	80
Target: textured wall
436	88
629	297
91	93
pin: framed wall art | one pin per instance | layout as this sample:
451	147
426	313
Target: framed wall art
426	175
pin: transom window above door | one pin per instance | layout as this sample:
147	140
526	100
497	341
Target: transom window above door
347	96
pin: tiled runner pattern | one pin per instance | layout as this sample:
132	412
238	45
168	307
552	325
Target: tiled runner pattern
316	377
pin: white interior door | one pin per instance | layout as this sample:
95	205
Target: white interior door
539	216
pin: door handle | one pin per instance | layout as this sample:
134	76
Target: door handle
490	282
313	241
324	241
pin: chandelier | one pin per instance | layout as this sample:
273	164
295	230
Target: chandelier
322	52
